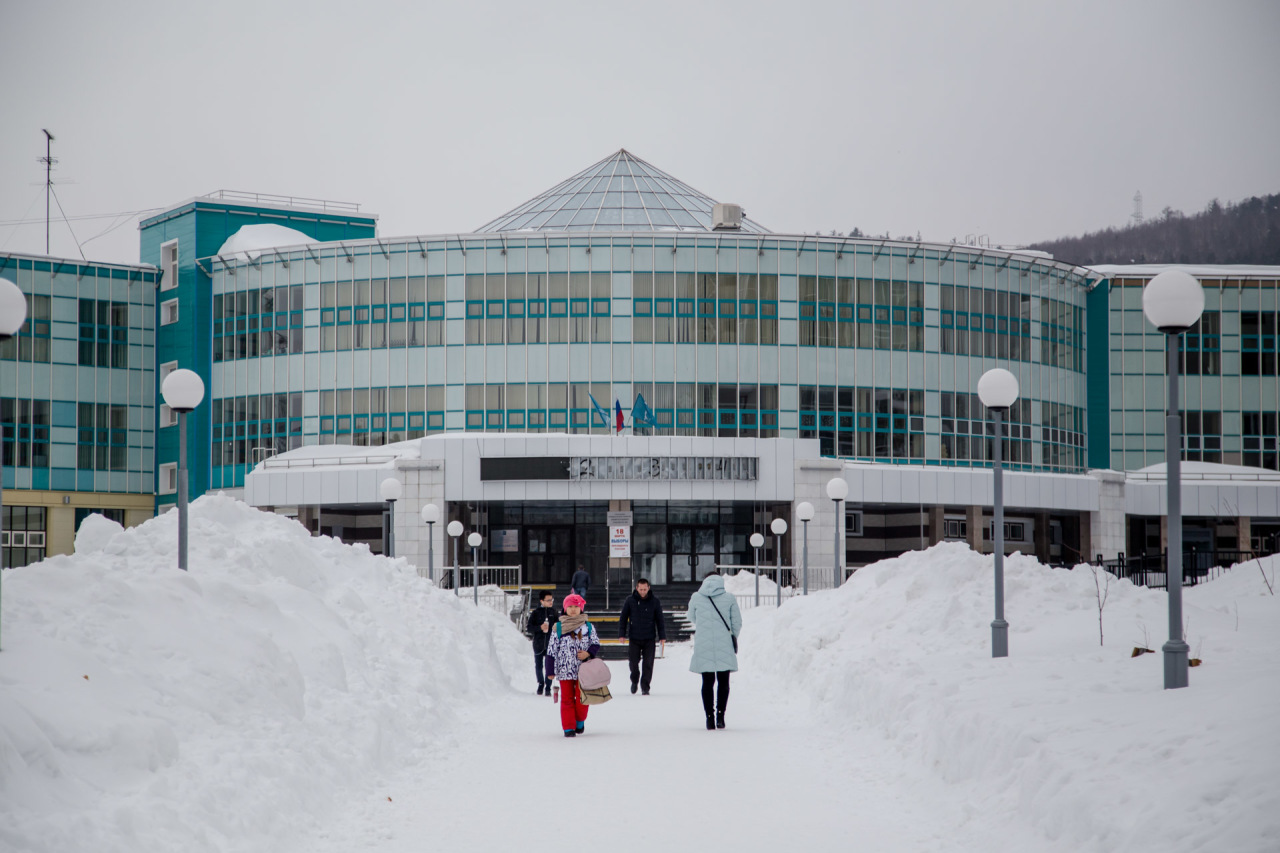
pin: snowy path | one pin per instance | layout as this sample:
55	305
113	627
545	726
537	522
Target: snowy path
651	774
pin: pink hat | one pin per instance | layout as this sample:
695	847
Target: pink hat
575	600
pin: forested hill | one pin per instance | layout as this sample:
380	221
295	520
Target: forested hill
1246	232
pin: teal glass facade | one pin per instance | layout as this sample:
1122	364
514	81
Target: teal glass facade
77	405
181	242
1230	389
725	334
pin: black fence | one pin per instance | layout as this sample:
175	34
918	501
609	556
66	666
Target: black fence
1151	570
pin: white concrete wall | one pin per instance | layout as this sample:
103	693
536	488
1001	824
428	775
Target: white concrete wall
1107	523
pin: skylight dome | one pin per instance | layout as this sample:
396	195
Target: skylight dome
619	193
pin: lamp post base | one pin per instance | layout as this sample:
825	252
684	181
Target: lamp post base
1175	664
999	638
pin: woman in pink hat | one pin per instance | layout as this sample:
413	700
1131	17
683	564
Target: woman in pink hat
572	641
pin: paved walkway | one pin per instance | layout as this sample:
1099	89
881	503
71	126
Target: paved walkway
647	775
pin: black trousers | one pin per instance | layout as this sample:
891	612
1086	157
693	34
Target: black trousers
539	664
712	680
637	650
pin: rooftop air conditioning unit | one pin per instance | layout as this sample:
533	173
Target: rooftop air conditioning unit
726	217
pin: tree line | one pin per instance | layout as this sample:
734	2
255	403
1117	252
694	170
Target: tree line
1244	232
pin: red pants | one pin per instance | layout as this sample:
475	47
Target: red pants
572	711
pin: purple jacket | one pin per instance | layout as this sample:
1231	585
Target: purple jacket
562	652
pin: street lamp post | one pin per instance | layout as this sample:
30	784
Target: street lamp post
431	514
390	489
182	390
455	530
756	541
1173	301
779	527
837	490
474	541
998	390
13	313
804	512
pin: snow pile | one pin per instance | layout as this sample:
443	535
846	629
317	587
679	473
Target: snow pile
229	707
95	533
1076	738
252	240
744	583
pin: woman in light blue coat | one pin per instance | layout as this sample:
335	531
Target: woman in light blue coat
717	622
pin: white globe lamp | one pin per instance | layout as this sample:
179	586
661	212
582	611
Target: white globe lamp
1173	301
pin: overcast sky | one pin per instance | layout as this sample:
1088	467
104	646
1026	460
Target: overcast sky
1021	121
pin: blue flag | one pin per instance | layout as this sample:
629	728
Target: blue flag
641	414
601	411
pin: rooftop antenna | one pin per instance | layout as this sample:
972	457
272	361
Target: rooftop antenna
1137	208
48	160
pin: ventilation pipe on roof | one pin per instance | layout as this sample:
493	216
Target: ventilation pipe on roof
726	217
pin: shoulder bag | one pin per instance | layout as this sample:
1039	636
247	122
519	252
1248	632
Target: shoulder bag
726	625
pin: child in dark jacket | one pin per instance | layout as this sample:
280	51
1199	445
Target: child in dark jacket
541	620
572	641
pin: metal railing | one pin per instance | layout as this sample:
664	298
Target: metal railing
501	588
1151	570
321	461
285	200
509	578
782	581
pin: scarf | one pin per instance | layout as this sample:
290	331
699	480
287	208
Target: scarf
569	624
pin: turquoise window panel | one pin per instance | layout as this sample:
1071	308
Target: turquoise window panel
535	359
63	455
768	364
786	365
727	367
641	360
558	360
788	331
495	364
579	362
748	363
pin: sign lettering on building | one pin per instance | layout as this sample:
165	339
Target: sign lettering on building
663	468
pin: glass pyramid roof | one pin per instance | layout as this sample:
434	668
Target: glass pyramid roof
619	193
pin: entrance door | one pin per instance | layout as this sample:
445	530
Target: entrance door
548	554
693	553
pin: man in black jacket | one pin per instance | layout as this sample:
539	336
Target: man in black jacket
541	620
642	625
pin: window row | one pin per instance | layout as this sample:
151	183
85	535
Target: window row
32	343
24	432
1258	335
1200	348
104	333
102	437
23	541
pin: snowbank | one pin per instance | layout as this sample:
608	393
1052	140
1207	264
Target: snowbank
1077	738
249	241
228	707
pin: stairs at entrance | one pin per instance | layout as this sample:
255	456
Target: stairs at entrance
674	598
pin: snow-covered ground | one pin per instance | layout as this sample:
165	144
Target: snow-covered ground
292	693
231	707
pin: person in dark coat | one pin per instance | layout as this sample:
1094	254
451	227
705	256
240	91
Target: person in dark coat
541	618
581	580
642	626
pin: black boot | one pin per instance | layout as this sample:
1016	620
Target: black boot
711	722
720	719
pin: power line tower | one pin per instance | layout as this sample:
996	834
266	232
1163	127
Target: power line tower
1137	208
48	160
